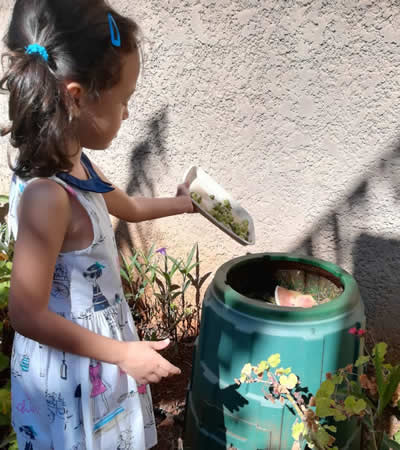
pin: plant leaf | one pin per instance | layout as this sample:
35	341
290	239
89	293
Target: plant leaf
124	261
362	360
274	359
323	437
354	405
262	367
326	389
187	284
389	389
150	253
246	372
174	261
323	407
282	371
190	268
190	256
192	280
204	278
288	381
389	444
379	352
297	430
10	441
5	402
124	275
337	379
160	285
138	267
167	277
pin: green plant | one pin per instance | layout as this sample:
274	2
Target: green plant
6	256
157	286
138	273
348	394
283	385
366	391
197	282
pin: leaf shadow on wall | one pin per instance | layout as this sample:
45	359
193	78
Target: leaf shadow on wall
376	257
140	181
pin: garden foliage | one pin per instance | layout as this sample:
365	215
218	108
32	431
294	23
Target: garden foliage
164	292
366	392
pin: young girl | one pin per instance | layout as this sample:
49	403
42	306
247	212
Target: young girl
79	373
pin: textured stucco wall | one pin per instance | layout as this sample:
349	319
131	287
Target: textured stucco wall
293	106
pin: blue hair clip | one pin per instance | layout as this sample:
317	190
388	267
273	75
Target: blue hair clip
114	31
36	48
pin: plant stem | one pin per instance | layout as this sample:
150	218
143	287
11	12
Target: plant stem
294	403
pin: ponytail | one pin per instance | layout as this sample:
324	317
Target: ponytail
49	42
41	112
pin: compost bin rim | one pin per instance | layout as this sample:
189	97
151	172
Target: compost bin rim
231	297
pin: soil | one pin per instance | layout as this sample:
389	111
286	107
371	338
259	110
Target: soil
169	397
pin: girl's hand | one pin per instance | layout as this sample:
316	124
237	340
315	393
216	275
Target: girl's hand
182	191
142	361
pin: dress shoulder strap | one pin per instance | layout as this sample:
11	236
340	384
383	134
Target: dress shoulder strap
93	184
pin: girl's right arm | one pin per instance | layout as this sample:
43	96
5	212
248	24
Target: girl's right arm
43	224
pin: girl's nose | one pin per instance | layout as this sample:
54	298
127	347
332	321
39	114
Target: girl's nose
125	114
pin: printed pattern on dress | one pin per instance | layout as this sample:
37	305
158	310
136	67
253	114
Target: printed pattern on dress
61	282
85	403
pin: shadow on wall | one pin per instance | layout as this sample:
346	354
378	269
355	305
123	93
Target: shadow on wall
376	260
377	267
141	182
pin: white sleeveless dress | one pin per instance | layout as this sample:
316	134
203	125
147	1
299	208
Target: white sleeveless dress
63	401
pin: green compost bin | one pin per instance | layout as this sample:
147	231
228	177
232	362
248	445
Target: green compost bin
239	326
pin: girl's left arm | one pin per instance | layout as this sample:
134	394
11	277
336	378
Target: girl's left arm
138	209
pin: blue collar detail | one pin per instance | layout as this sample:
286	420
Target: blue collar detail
93	184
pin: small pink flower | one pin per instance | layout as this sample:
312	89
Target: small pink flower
361	332
353	331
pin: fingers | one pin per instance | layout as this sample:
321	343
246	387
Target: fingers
154	378
166	366
159	345
151	367
183	189
164	369
159	373
162	372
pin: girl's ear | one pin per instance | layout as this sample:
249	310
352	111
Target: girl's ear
76	91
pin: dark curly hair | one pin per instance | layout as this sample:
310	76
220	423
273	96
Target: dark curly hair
76	35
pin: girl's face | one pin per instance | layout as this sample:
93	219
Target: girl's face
100	119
